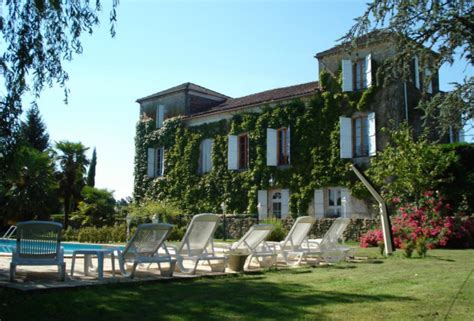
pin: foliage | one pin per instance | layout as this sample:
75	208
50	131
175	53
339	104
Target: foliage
279	233
30	189
91	234
90	181
72	163
38	37
33	130
407	167
426	25
460	191
166	212
97	207
426	224
315	160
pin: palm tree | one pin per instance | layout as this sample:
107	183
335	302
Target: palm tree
72	163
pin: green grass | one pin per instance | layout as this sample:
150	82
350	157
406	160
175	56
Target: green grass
438	287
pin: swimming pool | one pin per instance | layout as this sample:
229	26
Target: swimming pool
8	246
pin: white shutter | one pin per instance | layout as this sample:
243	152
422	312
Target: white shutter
232	160
372	134
285	198
209	143
318	203
272	147
262	204
205	160
347	75
160	113
288	145
345	138
368	70
462	137
429	87
151	162
417	72
346	202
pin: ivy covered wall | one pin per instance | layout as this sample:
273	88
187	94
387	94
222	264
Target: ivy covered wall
315	160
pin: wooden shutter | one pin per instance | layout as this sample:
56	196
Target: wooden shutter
372	134
347	78
417	72
272	157
232	148
263	204
151	162
285	199
345	137
429	81
346	202
160	113
319	203
368	70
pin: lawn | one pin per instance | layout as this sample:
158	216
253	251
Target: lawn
438	287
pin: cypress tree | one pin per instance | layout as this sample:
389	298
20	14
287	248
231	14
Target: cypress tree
91	173
33	130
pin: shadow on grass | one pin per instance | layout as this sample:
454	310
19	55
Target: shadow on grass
249	298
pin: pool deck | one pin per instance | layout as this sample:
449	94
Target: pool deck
45	278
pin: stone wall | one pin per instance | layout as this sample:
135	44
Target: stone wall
237	225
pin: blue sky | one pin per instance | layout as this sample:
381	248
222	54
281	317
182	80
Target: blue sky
233	47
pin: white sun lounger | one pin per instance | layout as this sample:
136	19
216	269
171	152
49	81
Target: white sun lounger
197	245
253	244
38	243
144	247
295	247
328	246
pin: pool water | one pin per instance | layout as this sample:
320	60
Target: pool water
8	246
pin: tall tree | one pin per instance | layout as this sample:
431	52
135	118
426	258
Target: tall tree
33	130
424	25
91	173
38	37
30	188
72	163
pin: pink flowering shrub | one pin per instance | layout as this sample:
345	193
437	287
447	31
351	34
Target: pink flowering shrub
427	224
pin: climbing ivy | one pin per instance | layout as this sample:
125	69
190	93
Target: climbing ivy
315	160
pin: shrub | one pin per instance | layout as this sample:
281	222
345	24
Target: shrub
166	212
279	233
429	223
371	238
106	234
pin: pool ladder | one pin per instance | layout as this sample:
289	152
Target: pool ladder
8	234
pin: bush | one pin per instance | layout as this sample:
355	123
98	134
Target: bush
430	223
107	234
166	212
279	233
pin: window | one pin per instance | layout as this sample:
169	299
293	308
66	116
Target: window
283	146
276	205
243	151
334	202
205	156
360	136
359	75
